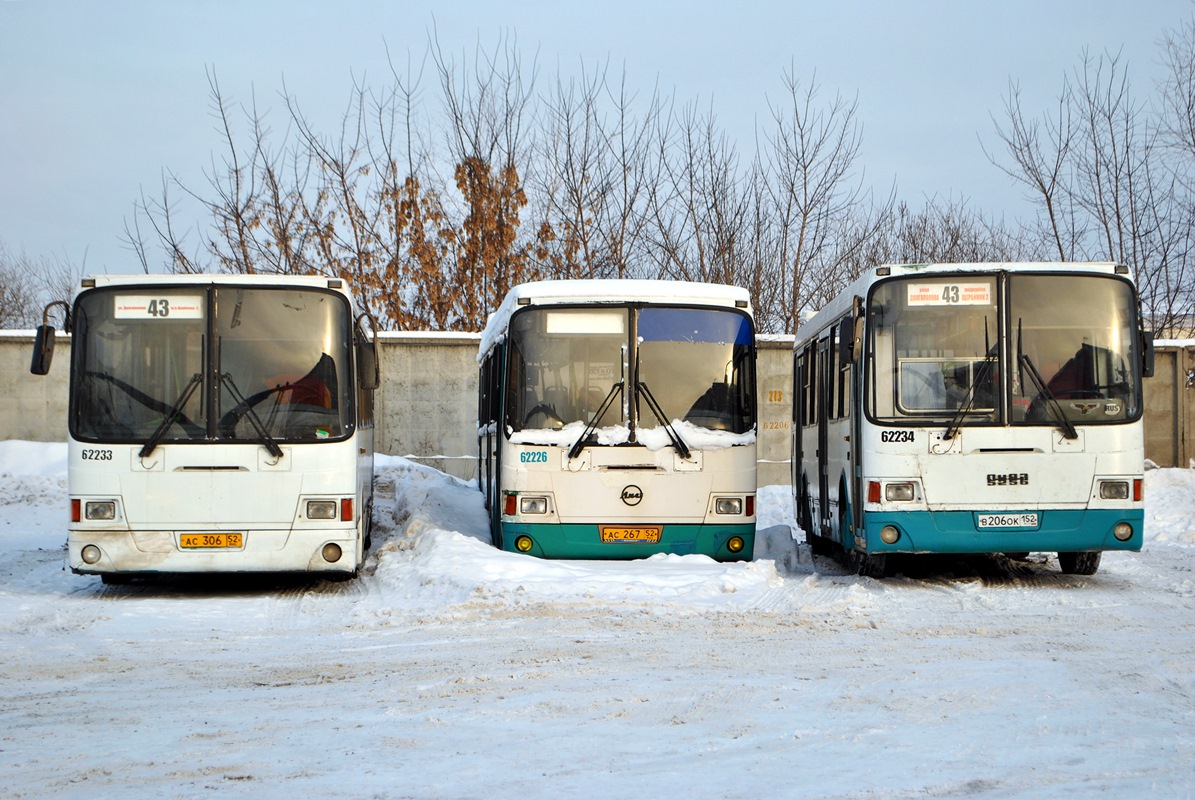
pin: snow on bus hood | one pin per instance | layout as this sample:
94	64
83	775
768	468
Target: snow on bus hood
695	436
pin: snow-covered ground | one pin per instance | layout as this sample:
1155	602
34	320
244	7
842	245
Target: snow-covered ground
449	669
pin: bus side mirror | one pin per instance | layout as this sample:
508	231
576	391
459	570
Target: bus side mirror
368	370
846	337
1147	354
850	334
43	350
367	365
43	340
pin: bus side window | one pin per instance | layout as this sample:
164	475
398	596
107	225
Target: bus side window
798	387
831	376
811	394
809	390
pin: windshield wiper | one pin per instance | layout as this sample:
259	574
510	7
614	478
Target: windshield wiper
1026	364
254	420
1068	427
580	444
152	403
981	377
172	414
677	442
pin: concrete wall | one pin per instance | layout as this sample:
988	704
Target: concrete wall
1170	406
427	407
32	407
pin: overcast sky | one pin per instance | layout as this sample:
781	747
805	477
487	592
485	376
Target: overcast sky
97	99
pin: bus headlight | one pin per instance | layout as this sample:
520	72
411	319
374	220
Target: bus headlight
102	510
735	544
729	505
894	492
890	534
1123	531
533	505
90	554
321	509
331	552
524	544
1114	490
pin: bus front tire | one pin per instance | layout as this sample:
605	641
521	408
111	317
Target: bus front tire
869	566
1079	563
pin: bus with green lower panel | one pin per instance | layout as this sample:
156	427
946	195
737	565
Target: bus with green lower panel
617	420
972	408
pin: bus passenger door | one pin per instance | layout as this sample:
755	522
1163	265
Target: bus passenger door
798	417
823	421
489	416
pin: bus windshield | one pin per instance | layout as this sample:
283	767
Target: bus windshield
582	365
202	363
982	349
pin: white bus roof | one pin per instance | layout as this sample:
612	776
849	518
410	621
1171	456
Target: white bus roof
560	292
204	279
841	303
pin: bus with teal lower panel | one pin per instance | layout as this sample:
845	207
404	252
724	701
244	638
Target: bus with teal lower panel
973	408
617	420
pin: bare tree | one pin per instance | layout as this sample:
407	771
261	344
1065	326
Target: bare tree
486	110
1040	150
815	194
1107	185
594	178
28	283
698	209
1178	136
433	216
1178	88
945	231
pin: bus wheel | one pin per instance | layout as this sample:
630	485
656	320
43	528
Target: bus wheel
368	541
867	565
819	545
1079	563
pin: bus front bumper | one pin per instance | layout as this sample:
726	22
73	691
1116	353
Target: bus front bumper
333	550
1057	530
584	541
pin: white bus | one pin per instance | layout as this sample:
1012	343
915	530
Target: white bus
972	408
617	419
218	423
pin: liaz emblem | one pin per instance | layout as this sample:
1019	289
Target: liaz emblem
632	495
